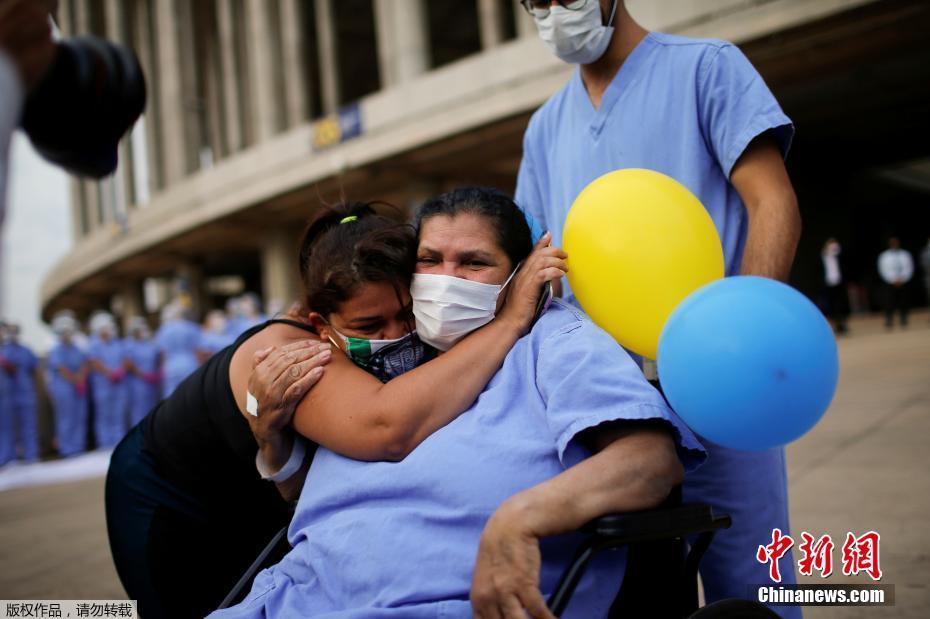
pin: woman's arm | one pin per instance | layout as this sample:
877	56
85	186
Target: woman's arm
634	468
354	414
277	390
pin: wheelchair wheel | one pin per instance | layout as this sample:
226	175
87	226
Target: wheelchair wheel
735	609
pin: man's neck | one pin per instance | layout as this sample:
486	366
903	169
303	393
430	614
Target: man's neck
598	75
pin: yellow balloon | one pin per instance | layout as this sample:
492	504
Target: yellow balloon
638	243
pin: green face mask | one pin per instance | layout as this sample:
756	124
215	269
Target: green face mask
385	359
360	351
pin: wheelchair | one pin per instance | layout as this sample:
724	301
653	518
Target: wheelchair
661	570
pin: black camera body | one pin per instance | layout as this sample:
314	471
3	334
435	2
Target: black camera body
91	96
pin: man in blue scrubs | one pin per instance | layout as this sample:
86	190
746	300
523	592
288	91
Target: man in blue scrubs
699	112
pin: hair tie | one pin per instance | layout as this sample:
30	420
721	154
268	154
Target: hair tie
348	219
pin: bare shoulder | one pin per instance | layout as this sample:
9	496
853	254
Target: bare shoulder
240	367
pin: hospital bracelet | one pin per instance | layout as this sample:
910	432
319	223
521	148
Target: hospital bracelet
290	467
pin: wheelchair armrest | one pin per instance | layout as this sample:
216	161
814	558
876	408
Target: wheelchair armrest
661	523
656	524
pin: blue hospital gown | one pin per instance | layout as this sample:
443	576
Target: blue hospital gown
687	108
400	539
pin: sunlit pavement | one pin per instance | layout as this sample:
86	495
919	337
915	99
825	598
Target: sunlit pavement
866	466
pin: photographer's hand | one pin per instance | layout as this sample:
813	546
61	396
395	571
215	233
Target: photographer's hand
26	36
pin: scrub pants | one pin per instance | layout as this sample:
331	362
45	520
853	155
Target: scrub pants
143	398
70	417
25	420
177	553
110	408
7	426
752	487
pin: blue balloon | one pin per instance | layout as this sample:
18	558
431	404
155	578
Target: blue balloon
748	362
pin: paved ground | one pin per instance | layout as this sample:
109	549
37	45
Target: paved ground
864	467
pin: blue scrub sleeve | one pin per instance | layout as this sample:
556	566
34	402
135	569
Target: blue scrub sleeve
736	106
527	195
585	379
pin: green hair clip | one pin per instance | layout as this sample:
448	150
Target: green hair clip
348	219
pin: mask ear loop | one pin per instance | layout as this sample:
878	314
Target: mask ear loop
510	277
613	13
330	337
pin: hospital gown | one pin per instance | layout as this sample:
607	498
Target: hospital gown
399	539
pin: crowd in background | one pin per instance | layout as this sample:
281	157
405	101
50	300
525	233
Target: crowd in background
101	383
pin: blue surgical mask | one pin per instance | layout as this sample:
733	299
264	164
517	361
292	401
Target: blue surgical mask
386	359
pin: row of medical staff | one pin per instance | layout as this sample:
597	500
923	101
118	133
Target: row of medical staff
113	381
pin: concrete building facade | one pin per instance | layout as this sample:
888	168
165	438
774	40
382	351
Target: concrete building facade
261	110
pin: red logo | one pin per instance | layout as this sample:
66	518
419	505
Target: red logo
773	552
816	555
860	554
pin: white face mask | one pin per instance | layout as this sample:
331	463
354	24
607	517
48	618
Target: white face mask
448	308
577	36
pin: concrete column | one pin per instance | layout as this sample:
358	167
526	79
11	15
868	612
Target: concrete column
132	303
279	276
170	93
78	210
64	17
294	53
214	93
526	25
261	69
190	281
491	23
232	114
403	41
191	124
145	49
116	33
329	57
92	203
81	17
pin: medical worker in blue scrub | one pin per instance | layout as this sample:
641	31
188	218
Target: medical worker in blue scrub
142	363
109	387
67	369
7	427
214	336
177	339
22	394
696	110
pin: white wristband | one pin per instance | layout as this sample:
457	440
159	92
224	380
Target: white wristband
290	467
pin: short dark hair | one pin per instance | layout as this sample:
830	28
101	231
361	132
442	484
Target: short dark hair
347	245
513	233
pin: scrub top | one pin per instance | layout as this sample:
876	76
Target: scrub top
687	108
143	354
23	380
684	107
178	340
383	539
110	354
64	355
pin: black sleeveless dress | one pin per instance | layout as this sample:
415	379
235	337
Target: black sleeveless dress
187	512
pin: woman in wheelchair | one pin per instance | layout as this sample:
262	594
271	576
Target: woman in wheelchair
566	430
187	511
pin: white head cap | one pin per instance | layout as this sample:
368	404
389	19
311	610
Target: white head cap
102	322
64	323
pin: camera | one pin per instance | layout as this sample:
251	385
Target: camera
92	94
